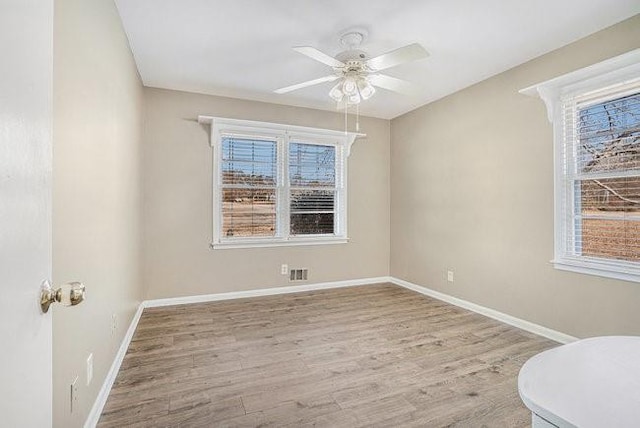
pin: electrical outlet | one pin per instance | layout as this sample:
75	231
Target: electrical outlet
73	395
450	276
89	368
284	270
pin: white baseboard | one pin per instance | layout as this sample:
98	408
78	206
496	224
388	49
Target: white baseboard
262	292
101	399
491	313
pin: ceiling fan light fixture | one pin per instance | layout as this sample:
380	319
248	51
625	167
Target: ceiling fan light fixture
365	88
349	87
336	93
354	99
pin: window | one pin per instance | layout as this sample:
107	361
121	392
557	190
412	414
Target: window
602	184
596	117
278	184
248	186
312	189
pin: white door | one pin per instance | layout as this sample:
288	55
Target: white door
26	72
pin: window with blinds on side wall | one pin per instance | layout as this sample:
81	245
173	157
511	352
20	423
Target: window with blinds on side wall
601	198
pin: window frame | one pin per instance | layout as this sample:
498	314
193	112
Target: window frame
606	77
283	135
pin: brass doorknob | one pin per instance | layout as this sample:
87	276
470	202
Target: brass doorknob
69	294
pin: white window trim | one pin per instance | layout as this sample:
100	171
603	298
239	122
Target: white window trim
281	133
618	71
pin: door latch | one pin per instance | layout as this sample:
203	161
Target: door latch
69	294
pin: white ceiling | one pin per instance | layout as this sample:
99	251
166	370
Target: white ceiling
242	48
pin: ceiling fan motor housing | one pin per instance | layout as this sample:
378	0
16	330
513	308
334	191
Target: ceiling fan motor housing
352	55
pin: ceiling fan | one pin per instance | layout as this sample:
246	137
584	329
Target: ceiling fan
358	74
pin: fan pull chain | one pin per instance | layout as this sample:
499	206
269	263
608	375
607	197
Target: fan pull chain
346	128
358	117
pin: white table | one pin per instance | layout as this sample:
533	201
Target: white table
589	383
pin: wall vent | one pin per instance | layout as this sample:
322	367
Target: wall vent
296	275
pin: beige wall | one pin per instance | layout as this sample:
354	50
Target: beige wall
177	169
472	191
96	194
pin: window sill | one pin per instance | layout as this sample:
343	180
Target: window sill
278	243
598	267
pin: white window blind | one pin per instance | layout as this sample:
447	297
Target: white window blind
248	181
601	169
313	189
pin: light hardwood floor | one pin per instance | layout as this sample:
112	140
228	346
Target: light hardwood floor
375	355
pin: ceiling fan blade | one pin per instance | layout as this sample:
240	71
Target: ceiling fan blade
399	56
305	84
392	84
314	53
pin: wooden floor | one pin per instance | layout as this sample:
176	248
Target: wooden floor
362	356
